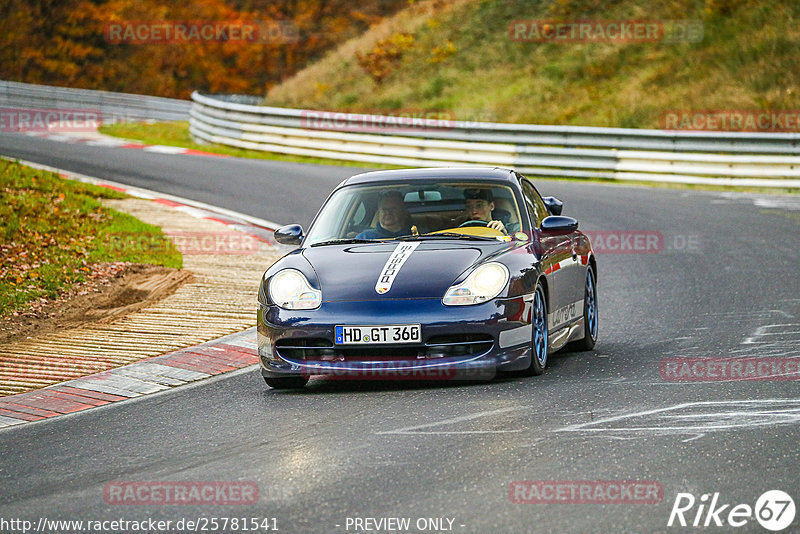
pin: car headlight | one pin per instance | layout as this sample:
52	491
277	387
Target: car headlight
482	284
290	289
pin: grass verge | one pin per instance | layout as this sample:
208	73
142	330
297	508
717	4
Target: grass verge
53	230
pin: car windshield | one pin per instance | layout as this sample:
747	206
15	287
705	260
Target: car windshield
433	208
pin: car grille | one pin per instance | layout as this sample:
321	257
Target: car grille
447	346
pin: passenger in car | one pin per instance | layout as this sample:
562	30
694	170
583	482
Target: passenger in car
393	218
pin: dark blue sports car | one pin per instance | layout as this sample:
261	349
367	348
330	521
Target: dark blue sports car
427	274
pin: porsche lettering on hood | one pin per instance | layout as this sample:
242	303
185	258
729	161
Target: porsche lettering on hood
362	270
393	265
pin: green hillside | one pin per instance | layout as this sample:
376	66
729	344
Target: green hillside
458	57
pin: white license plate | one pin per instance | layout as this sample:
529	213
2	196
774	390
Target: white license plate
378	334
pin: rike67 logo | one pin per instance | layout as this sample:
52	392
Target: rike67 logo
774	510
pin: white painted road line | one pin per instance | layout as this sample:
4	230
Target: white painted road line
733	414
454	420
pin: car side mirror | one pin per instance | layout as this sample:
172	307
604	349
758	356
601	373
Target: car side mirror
554	206
291	234
557	224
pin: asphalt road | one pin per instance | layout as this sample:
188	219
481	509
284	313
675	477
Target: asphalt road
725	283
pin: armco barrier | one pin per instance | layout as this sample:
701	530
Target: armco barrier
725	158
113	107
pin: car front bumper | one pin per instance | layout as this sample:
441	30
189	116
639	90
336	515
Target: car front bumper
458	342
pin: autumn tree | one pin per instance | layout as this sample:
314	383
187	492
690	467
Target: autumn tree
63	42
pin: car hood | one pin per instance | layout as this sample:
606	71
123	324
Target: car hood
351	272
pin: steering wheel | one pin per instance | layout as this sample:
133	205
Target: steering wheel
473	222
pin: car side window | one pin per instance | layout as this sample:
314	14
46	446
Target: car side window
356	219
534	204
541	208
360	213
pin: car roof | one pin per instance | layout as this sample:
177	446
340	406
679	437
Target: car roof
446	173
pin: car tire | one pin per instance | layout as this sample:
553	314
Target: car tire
288	382
590	317
539	333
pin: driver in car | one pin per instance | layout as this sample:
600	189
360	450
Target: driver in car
478	206
393	218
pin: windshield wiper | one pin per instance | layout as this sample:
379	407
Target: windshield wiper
444	235
346	241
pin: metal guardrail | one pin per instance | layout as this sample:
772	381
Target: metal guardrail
725	158
113	107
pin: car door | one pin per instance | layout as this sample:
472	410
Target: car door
556	256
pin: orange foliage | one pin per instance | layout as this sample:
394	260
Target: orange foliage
65	42
382	60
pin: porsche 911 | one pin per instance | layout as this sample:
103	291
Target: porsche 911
427	274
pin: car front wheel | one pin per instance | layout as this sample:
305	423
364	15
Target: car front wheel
539	335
